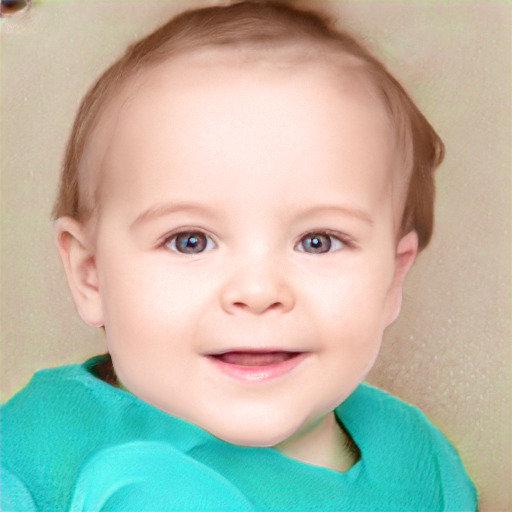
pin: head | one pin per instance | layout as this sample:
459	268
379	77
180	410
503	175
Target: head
242	196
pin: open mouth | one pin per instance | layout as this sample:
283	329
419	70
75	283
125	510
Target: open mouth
255	358
255	366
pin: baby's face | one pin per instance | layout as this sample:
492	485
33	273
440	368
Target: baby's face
245	245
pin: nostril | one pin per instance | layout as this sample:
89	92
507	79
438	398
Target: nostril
14	7
260	308
256	307
256	296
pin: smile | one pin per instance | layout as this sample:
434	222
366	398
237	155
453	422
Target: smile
256	366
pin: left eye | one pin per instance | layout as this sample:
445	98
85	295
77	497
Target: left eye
319	243
190	242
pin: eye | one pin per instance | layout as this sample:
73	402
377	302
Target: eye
190	242
319	243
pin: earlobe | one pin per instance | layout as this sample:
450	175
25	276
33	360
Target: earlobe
77	255
406	252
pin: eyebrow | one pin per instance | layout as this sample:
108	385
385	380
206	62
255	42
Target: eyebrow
345	210
165	209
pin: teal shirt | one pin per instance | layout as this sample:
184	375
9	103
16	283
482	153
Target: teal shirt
73	442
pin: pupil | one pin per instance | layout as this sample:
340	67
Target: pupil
191	243
318	243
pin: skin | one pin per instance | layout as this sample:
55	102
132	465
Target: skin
255	158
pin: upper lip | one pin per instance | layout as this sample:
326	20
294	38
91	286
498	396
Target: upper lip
255	350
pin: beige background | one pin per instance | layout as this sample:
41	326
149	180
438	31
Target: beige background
449	352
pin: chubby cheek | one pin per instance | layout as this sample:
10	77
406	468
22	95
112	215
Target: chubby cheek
352	298
351	309
148	309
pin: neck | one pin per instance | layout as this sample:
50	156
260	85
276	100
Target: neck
325	444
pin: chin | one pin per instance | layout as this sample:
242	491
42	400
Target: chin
256	441
255	434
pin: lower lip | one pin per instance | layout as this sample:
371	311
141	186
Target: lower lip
259	373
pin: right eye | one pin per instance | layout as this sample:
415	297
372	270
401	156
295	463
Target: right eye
189	242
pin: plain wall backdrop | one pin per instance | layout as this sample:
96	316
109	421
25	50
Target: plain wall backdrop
449	352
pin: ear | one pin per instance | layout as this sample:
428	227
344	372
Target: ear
406	253
77	254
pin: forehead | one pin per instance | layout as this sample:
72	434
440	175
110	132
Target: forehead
212	93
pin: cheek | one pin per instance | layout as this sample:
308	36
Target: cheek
130	296
147	300
350	312
354	296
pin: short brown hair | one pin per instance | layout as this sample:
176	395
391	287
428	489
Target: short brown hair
268	24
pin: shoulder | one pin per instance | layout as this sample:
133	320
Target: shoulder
49	426
53	397
394	413
48	392
398	441
67	406
62	418
375	415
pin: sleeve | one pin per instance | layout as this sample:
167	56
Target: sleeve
14	496
152	476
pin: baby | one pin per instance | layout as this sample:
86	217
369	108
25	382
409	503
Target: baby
243	194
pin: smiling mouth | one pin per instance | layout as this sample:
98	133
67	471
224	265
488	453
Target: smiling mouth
255	358
256	366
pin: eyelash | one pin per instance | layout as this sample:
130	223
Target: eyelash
170	240
344	241
206	242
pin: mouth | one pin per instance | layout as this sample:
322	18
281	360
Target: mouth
256	366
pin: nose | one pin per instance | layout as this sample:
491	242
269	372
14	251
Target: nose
257	288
